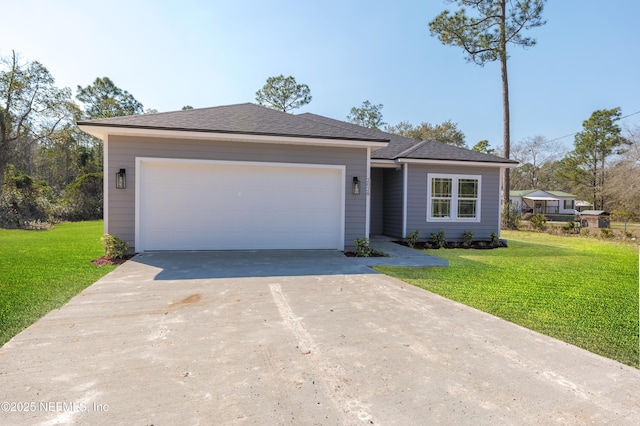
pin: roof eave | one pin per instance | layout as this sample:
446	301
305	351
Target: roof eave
468	163
379	163
101	131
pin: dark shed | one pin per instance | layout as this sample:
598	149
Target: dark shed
594	219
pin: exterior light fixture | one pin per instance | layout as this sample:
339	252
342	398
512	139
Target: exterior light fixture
121	179
355	189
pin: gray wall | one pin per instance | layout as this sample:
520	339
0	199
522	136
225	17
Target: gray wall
377	202
392	194
123	150
393	199
417	203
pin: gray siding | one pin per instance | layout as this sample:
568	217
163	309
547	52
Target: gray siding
393	200
377	202
122	152
417	202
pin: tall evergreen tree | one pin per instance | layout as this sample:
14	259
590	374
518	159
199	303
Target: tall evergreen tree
103	99
445	132
283	93
368	115
485	36
599	140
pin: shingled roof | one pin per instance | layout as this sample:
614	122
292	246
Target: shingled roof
407	148
251	119
245	118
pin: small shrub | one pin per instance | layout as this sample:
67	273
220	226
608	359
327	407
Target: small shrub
606	233
569	227
494	240
23	201
527	216
363	249
438	238
467	237
584	232
114	247
539	221
412	238
511	216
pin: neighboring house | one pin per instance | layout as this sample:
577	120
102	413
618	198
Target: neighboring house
248	177
548	203
582	205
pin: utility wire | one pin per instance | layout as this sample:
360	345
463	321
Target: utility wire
575	133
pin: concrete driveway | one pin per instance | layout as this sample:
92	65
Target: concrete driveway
284	338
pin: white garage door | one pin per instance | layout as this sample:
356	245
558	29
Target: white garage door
196	205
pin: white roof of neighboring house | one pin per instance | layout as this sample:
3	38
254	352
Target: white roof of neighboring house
593	213
541	198
539	194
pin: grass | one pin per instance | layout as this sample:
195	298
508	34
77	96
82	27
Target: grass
581	291
42	270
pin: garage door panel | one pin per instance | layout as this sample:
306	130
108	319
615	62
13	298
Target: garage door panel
219	206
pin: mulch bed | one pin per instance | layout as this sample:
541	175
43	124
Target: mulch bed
477	245
101	261
352	254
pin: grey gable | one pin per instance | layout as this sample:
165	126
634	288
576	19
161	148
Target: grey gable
245	118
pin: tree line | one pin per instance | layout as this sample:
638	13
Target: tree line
49	169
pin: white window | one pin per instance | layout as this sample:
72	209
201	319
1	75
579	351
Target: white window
453	198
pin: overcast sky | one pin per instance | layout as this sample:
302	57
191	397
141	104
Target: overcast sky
168	54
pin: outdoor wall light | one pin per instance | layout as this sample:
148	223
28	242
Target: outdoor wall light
355	189
121	179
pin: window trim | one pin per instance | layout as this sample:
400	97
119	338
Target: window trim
454	198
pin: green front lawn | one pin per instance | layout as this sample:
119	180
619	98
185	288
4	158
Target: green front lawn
581	291
42	270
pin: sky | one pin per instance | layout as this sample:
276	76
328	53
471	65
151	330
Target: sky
168	54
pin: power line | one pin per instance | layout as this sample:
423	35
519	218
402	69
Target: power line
575	133
562	137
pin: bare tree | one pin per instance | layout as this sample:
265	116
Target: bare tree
31	109
622	187
533	154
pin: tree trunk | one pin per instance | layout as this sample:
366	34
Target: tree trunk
506	140
2	169
602	179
